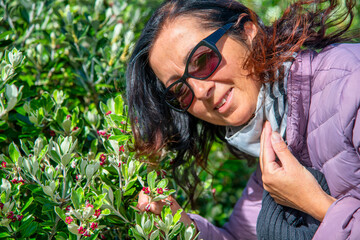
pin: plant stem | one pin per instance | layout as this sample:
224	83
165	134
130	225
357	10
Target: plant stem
53	230
7	16
64	182
32	26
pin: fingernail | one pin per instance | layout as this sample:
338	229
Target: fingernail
275	136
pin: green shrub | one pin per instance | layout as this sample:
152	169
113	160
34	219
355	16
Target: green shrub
66	166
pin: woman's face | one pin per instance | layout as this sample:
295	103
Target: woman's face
229	96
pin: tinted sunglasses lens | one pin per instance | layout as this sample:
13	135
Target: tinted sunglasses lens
179	95
203	62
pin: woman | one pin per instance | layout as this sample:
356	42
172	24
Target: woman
203	70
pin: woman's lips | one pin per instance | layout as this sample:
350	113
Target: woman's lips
222	104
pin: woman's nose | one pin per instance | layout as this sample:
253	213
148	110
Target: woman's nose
203	89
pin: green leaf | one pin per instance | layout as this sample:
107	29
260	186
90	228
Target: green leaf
118	198
99	200
119	105
14	152
177	216
163	183
4	235
136	234
129	192
104	109
24	147
168	220
77	197
27	204
94	145
151	178
65	145
3	138
55	156
30	229
66	159
119	138
154	235
160	197
189	233
66	125
139	230
60	213
176	230
91	170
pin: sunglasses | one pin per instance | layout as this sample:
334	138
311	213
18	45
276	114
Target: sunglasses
201	63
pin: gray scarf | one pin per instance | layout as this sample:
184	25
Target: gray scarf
272	106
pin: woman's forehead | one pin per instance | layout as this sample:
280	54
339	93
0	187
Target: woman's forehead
176	38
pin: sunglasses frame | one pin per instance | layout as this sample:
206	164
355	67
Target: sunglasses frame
210	42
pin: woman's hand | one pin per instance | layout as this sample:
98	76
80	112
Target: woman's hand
287	181
156	207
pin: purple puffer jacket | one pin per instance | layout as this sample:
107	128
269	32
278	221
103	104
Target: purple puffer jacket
323	131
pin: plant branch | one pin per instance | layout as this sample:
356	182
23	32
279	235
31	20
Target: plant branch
7	16
53	230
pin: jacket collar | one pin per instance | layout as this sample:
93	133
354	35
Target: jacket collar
299	95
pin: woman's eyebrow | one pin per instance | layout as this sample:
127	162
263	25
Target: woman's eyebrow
185	60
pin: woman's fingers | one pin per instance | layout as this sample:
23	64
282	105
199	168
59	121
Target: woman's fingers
282	152
268	161
154	207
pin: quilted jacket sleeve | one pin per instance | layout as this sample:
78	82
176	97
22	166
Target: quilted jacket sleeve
342	220
242	222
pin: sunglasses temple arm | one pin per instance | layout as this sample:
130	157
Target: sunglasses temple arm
214	37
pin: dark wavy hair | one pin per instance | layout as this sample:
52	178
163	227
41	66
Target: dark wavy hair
304	24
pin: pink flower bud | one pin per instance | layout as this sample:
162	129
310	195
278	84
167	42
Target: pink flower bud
67	208
81	230
75	128
89	205
73	164
87	234
102	157
146	190
3	164
68	117
108	113
160	190
101	132
147	208
121	148
20	217
52	133
94	225
69	219
10	215
97	213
